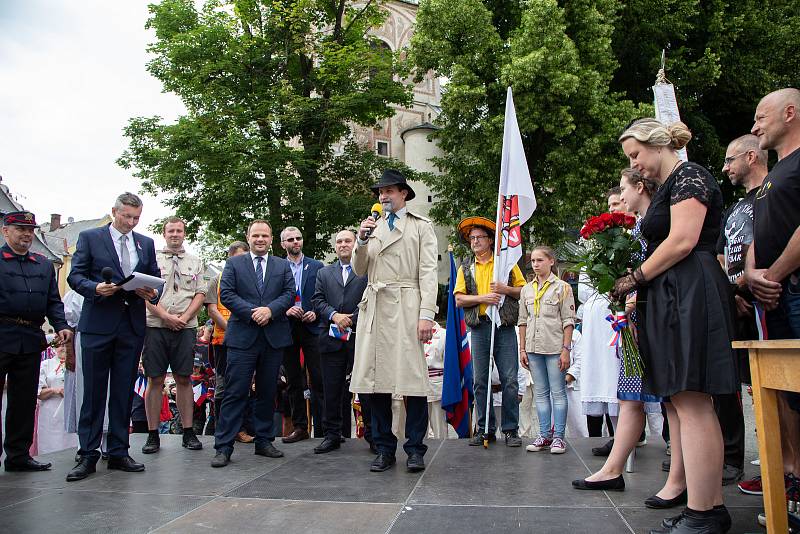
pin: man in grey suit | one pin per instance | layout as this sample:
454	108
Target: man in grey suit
337	294
258	289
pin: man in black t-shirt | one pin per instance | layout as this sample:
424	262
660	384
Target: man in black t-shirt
772	269
746	166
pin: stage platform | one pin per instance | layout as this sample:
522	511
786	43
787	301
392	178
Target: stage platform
464	489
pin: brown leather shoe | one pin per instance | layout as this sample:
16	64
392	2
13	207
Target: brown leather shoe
244	437
298	434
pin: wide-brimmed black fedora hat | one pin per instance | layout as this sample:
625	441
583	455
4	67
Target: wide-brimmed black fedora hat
393	177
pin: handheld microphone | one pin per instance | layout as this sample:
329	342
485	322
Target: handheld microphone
107	273
377	212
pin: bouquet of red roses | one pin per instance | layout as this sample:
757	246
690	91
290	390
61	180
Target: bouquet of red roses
608	251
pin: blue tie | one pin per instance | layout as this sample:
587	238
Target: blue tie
259	274
391	219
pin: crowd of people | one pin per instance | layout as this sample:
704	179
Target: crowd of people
323	336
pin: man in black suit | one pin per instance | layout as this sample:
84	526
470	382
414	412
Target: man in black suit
306	328
112	327
337	294
257	289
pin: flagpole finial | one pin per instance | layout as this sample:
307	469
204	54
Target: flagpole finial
661	77
450	248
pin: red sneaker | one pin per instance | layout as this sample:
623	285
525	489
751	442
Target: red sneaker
753	486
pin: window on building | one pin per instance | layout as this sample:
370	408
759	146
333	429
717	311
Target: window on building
382	148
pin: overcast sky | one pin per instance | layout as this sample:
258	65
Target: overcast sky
71	74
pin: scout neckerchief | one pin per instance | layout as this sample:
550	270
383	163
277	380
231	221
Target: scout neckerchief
537	295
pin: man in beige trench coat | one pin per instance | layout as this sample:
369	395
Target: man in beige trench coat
398	255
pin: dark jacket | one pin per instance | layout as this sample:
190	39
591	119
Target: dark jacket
28	291
96	250
307	284
239	293
331	295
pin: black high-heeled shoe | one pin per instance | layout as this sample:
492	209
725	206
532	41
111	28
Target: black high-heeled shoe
614	484
659	504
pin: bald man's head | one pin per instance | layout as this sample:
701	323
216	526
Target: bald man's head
777	123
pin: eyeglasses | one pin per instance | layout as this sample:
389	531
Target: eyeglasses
293	239
478	237
730	159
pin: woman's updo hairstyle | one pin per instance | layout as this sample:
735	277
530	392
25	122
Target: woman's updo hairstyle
651	132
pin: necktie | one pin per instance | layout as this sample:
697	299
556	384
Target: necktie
124	256
346	275
259	274
392	217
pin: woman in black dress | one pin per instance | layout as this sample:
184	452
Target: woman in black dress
685	325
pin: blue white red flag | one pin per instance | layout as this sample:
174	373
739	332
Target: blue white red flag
457	393
200	393
140	386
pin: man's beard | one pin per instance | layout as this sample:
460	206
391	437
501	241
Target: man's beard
388	206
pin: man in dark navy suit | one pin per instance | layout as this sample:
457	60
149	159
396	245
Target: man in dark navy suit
338	292
258	289
28	293
305	327
112	327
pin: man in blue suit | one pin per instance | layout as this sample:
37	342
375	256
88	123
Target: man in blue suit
112	327
306	328
336	297
258	289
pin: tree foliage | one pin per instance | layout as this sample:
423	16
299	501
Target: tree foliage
271	89
580	71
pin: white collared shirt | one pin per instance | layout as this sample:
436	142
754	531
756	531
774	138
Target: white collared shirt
132	252
263	265
345	273
400	214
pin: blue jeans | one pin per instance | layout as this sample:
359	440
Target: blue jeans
505	357
549	381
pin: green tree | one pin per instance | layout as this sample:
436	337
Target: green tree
580	70
557	58
271	88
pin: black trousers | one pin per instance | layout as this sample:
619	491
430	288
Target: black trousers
219	353
115	356
335	367
23	387
594	424
731	421
416	424
303	339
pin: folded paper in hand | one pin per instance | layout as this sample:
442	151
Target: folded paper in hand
335	332
137	280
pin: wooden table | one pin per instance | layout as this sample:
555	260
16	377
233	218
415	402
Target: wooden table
774	367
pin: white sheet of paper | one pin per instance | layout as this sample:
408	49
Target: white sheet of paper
142	280
667	109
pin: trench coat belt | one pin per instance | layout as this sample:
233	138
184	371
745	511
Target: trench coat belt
369	300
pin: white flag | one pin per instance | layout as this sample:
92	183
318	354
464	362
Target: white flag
516	201
667	108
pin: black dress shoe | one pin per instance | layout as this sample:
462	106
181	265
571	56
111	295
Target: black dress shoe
298	434
125	463
614	484
720	512
731	474
605	450
85	467
415	463
152	445
327	445
268	450
220	460
381	463
29	464
190	441
691	523
660	504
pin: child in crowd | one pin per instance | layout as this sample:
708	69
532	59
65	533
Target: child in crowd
546	322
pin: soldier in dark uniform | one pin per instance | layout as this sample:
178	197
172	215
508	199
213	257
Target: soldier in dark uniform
28	293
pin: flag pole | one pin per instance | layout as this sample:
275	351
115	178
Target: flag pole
498	243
